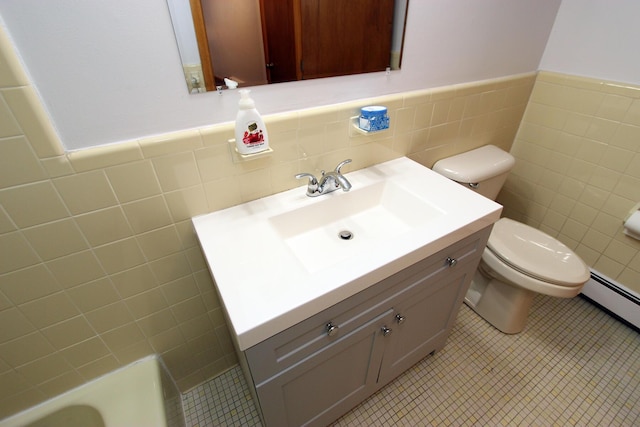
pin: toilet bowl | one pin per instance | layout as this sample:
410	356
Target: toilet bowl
519	261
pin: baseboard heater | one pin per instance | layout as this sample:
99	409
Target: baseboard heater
613	297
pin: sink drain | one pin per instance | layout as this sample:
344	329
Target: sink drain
345	235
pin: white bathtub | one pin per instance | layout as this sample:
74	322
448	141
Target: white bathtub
139	395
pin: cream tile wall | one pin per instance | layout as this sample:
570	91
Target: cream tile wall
99	264
577	171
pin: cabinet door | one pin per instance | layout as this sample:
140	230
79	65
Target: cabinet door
422	323
329	382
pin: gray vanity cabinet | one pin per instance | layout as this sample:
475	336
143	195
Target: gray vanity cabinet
317	370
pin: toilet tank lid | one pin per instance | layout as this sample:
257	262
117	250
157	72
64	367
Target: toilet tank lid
475	165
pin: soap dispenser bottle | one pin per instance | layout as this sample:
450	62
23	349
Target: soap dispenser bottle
251	133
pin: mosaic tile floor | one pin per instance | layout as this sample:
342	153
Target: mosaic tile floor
573	365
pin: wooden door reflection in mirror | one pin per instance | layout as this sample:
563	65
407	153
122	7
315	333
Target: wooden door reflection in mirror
345	37
288	40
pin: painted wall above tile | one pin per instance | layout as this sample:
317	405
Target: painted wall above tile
104	83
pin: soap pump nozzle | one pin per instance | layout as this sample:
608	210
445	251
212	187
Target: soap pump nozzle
246	103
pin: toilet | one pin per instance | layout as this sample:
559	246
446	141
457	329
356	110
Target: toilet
518	261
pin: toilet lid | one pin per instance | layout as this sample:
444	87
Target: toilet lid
536	254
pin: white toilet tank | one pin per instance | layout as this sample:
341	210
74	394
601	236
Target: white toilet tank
484	169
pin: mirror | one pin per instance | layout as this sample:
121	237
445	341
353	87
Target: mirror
255	42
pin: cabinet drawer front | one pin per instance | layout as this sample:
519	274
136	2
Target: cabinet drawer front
306	338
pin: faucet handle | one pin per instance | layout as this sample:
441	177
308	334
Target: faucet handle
342	163
312	186
312	179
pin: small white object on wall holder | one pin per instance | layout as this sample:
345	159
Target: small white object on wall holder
632	222
237	157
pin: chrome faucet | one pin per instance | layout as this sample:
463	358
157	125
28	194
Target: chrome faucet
329	181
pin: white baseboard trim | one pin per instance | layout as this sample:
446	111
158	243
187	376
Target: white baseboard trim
614	297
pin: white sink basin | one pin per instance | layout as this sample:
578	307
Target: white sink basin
279	260
370	216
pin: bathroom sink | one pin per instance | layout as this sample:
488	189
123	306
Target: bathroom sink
346	225
281	259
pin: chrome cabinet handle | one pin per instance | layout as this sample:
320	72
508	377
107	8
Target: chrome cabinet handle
331	329
400	319
451	261
386	331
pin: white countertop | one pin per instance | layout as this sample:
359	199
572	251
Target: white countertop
266	287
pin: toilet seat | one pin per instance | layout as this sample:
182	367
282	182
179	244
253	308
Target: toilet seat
495	268
536	254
